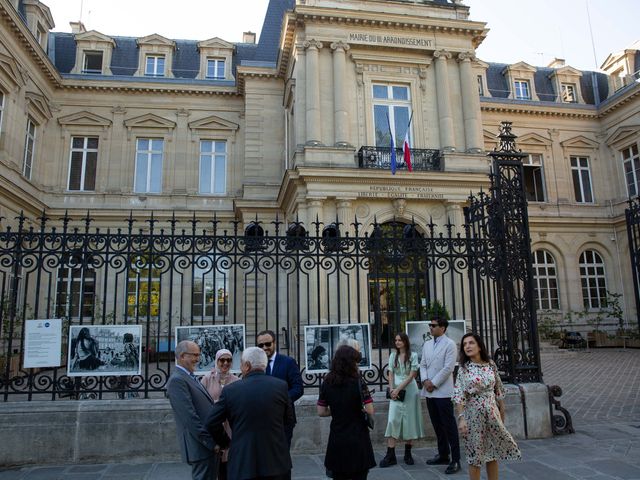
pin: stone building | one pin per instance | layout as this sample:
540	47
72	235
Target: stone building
299	124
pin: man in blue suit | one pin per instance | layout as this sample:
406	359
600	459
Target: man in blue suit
283	367
191	404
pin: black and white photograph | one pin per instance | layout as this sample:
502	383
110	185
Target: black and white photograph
210	339
419	333
321	341
100	350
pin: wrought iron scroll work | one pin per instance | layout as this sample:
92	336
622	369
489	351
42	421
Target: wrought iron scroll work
632	216
502	217
561	422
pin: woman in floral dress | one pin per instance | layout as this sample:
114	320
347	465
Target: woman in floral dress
405	416
479	399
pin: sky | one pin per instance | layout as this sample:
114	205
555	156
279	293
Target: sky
534	31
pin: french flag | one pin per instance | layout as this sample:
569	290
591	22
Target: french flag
406	151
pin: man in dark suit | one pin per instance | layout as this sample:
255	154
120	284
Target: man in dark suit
258	410
191	403
283	367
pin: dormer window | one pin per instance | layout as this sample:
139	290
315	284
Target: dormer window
92	63
154	66
569	93
521	90
215	68
480	86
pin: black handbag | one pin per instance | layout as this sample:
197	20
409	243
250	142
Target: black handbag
368	419
401	394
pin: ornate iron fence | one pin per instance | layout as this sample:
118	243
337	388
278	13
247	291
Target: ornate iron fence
632	216
278	275
422	159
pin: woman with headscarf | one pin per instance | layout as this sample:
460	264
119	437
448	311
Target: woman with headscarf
214	381
319	358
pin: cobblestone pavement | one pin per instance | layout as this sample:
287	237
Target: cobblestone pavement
600	387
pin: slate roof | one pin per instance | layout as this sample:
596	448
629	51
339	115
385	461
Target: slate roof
186	59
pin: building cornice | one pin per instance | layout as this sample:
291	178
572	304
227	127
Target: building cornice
538	108
11	17
117	85
619	99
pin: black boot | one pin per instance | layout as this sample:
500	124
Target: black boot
408	459
389	459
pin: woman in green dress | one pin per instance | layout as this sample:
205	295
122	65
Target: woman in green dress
405	415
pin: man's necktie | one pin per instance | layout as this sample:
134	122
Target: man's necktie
268	371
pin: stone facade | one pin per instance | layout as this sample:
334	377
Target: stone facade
291	113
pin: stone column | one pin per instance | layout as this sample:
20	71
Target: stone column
443	94
346	277
340	114
313	93
300	96
345	215
470	104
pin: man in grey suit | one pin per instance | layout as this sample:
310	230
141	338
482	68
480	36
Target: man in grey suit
436	372
259	412
191	403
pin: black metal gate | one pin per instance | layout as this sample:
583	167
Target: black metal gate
279	275
632	215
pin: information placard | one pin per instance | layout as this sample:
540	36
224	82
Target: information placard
43	343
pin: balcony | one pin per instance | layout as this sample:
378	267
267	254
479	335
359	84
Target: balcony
422	160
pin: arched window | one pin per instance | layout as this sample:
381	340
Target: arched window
593	279
545	281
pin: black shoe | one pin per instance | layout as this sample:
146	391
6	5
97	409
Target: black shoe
438	460
408	459
387	461
453	467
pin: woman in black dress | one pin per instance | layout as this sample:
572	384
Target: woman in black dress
349	452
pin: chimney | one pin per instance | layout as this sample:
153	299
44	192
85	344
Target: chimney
77	27
556	63
248	37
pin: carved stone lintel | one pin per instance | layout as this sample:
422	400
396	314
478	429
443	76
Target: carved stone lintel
335	46
399	205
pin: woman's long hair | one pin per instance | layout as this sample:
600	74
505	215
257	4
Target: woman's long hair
464	358
407	345
344	366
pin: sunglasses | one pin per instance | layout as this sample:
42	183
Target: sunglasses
225	360
265	344
433	325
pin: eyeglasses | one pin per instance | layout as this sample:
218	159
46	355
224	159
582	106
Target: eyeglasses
265	344
194	354
433	325
225	360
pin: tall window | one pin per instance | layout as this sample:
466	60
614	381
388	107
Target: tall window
1	108
210	293
92	63
215	68
533	178
522	90
29	148
82	167
154	66
143	288
631	160
546	281
569	93
75	294
581	179
391	110
213	167
593	279
149	165
480	86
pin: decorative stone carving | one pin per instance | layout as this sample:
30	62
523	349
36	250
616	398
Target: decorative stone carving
399	206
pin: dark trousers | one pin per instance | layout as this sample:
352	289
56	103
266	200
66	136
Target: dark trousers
206	469
288	431
284	476
445	426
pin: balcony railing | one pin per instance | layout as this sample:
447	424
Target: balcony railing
423	160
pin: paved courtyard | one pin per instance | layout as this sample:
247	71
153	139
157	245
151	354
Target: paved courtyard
601	390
